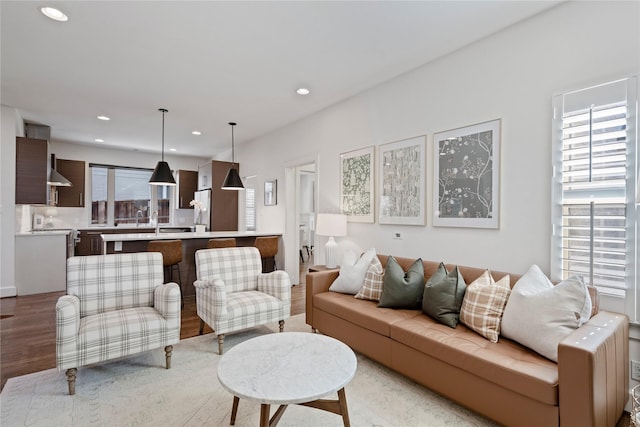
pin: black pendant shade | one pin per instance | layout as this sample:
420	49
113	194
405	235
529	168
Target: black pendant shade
232	181
162	173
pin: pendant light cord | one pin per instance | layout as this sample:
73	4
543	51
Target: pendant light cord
233	156
164	110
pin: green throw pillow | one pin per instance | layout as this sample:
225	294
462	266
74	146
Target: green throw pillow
443	295
400	289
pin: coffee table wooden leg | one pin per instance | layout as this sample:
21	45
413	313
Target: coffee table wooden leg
265	409
234	410
342	398
276	417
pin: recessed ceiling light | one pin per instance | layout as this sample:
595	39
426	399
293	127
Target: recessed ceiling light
303	91
172	149
53	13
99	140
196	132
104	118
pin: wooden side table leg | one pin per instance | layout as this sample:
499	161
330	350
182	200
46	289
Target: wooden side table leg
265	409
342	398
234	410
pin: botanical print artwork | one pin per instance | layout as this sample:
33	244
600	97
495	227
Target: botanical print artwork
356	184
402	182
467	176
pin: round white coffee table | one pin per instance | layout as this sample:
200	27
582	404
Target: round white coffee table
288	368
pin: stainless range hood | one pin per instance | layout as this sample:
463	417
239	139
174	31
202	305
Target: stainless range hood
55	178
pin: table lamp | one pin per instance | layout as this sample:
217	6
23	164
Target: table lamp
332	225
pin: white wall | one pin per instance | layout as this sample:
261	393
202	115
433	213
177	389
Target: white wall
11	123
512	75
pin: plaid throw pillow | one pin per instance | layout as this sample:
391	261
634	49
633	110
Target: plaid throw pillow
484	304
372	286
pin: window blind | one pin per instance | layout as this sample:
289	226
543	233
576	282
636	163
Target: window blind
250	208
592	166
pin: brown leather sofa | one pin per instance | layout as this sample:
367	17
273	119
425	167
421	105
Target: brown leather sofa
504	381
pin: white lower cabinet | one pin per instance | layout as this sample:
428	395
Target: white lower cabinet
41	262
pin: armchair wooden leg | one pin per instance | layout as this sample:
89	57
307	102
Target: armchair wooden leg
71	379
167	350
220	344
281	323
201	327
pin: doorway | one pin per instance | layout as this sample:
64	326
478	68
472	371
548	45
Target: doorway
306	214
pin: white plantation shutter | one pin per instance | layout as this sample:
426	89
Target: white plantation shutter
594	181
250	209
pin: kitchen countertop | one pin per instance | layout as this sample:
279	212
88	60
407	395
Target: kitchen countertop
45	232
188	235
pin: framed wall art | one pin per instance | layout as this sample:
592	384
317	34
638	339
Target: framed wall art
466	176
271	193
402	182
357	197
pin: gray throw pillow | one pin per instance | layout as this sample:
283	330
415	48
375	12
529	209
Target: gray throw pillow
443	295
400	289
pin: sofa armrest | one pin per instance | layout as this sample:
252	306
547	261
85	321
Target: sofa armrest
276	284
317	282
67	328
211	300
166	301
593	371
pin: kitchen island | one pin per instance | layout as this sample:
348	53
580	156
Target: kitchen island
191	242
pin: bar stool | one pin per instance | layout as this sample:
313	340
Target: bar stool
221	243
171	251
268	247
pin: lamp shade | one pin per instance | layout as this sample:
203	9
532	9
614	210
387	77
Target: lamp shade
162	175
334	225
232	181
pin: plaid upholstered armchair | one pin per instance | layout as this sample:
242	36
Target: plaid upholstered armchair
232	293
116	305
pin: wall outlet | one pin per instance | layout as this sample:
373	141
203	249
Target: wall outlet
635	370
397	235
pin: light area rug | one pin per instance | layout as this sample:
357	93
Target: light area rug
139	391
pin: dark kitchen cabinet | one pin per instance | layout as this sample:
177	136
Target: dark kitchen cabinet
224	203
32	168
187	184
74	171
89	242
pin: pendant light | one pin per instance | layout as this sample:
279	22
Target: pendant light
162	173
232	181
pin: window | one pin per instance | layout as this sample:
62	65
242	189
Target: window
249	205
122	195
594	149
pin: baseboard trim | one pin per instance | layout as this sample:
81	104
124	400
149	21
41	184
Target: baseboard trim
8	291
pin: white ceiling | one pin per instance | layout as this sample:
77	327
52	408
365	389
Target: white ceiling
210	62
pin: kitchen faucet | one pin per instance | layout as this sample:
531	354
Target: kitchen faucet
155	215
140	214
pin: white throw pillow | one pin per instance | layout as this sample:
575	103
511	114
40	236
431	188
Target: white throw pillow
351	276
539	315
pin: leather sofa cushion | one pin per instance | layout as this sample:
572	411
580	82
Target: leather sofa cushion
505	363
363	313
